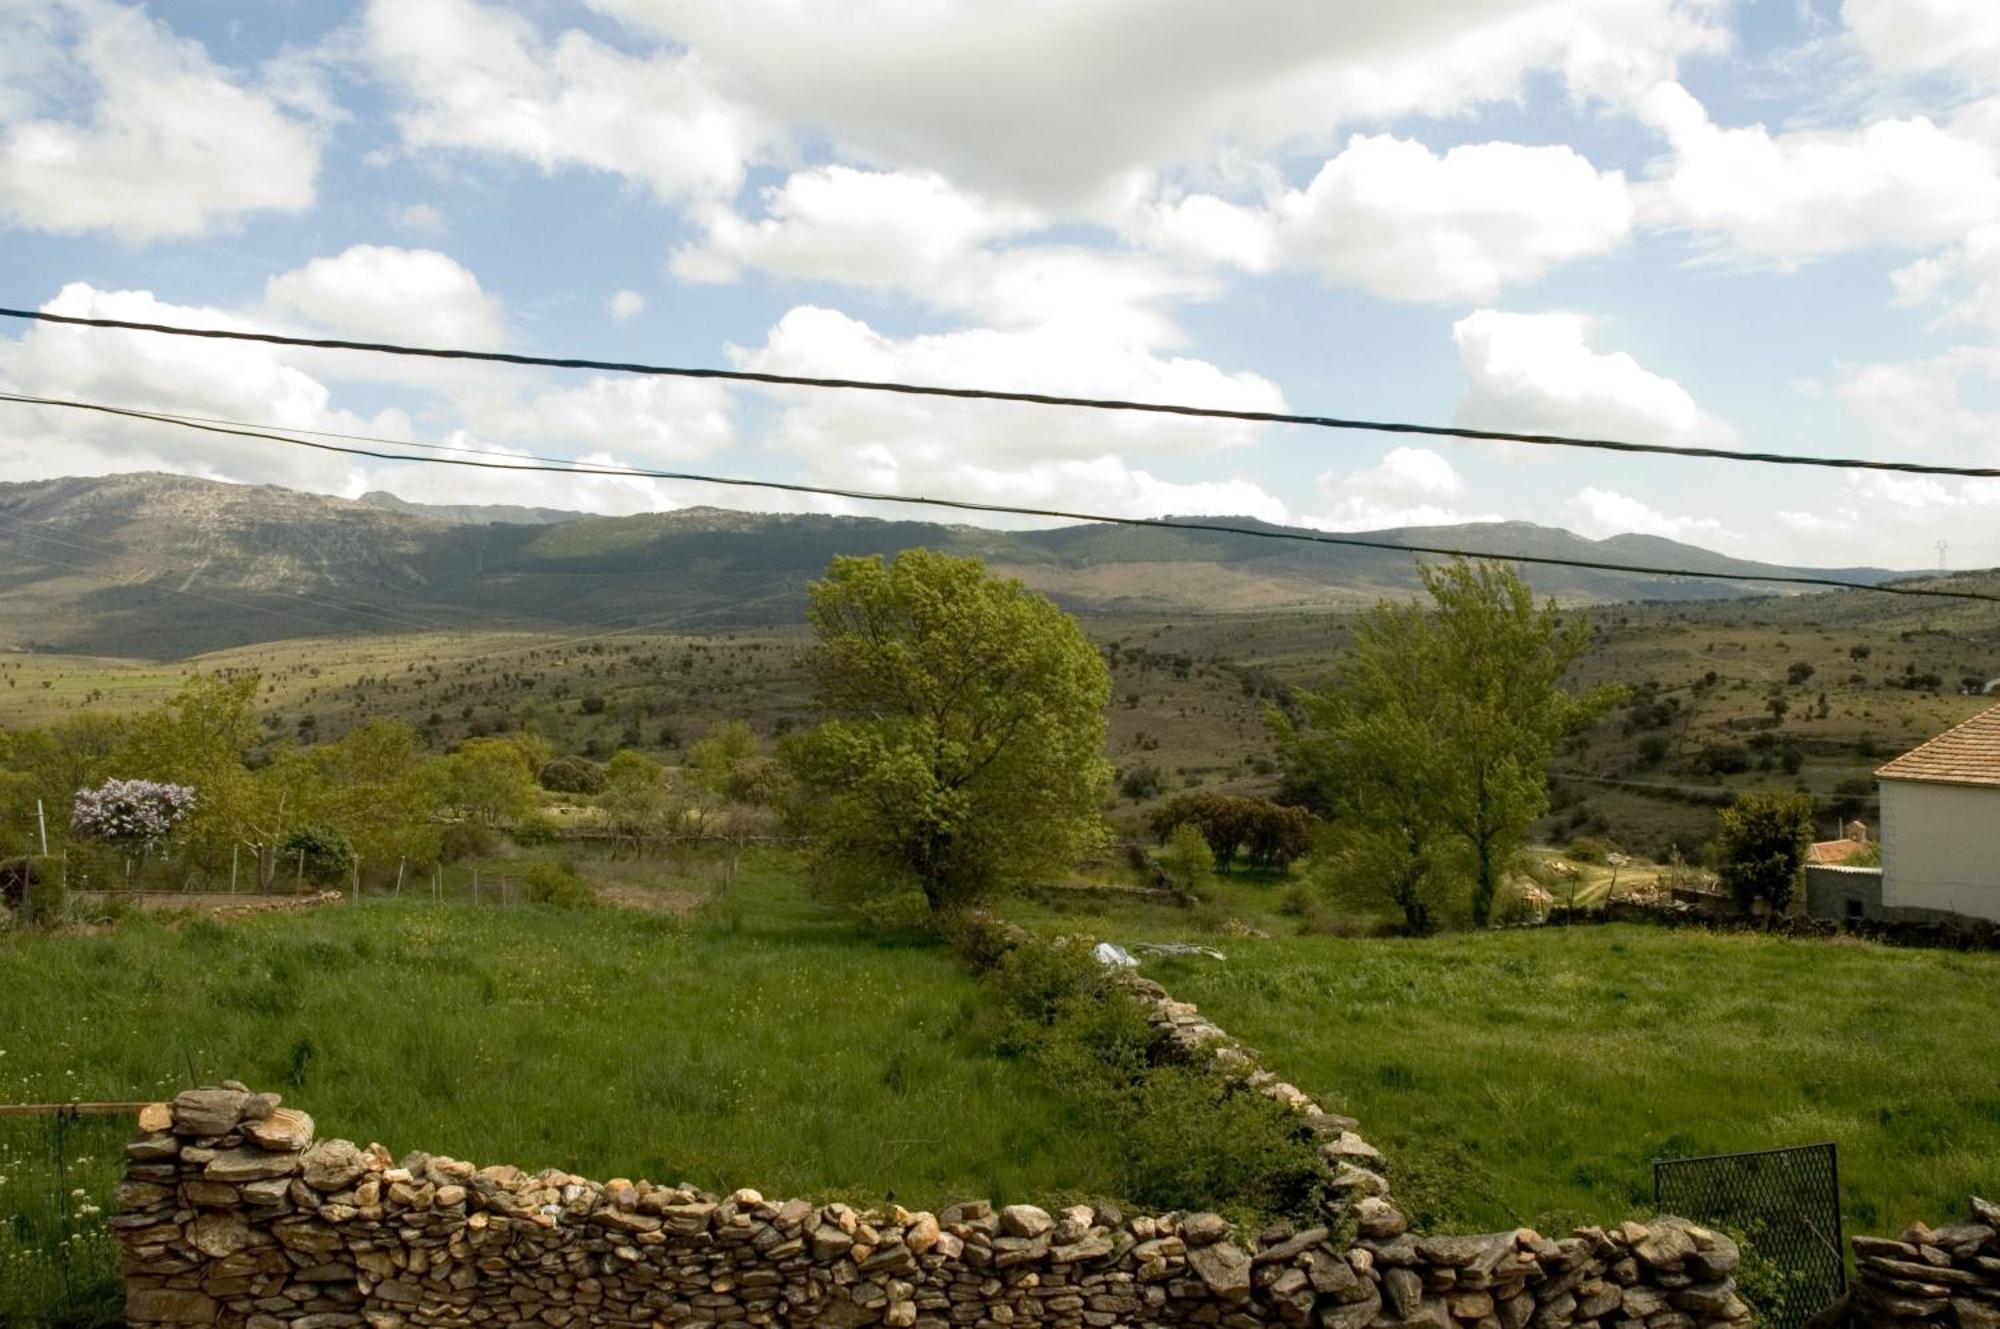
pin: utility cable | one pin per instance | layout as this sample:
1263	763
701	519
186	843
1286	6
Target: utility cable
1056	514
999	394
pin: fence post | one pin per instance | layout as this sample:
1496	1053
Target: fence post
399	877
234	849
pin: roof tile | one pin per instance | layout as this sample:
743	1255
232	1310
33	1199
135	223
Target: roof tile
1966	754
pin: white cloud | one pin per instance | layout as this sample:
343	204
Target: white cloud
169	144
989	96
918	235
625	304
382	293
1537	373
1795	196
1392	217
647	420
1599	513
865	228
422	218
1920	405
835	430
481	78
1967	276
1408	487
1917	36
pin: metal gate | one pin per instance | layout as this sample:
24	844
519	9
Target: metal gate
1785	1203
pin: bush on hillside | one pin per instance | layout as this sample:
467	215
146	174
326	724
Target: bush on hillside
1266	834
572	775
557	884
322	855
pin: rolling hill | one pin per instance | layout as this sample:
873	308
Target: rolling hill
163	566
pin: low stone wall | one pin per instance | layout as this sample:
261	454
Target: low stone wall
1932	1277
231	1215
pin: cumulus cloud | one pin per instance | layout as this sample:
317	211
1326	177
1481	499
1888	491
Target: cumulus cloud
1920	36
1965	277
481	78
135	132
1790	197
918	235
1390	216
1599	513
987	96
1408	487
381	293
1537	373
647	420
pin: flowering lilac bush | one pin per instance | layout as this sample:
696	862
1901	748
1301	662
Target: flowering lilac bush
139	813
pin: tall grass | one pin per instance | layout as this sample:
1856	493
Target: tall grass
1534	1076
766	1043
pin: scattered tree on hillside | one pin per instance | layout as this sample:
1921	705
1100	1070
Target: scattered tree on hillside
1432	742
962	750
1267	834
1763	848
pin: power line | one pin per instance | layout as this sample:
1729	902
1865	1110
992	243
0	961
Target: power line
1000	394
968	505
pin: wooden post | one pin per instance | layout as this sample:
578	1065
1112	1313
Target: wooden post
42	824
233	850
357	881
299	878
399	878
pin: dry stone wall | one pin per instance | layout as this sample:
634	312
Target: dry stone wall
1933	1277
233	1215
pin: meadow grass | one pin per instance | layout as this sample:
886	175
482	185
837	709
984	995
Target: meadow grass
764	1042
1533	1076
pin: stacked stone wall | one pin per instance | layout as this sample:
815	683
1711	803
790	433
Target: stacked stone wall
233	1215
1932	1278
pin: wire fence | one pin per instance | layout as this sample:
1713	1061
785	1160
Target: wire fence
1784	1204
59	1167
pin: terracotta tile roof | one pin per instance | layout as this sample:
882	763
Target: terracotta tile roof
1834	851
1966	754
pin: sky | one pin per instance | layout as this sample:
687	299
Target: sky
1770	224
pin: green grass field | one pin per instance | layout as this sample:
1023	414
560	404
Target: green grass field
1532	1076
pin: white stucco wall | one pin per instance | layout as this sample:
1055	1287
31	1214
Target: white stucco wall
1941	847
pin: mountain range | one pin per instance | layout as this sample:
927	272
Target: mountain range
163	566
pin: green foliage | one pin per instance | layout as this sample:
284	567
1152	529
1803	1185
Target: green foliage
1141	781
488	780
962	749
1267	834
1433	740
1763	847
1188	860
572	775
321	854
557	884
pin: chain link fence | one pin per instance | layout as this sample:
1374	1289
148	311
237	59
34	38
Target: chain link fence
1784	1206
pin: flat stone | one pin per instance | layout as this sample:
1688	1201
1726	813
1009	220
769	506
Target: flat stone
331	1165
1290	1246
155	1118
1665	1246
174	1305
1203	1229
1403	1291
207	1112
232	1165
1025	1220
1224	1267
219	1235
287	1130
1353	1314
1379	1220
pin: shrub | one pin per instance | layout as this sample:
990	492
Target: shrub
1653	749
1141	782
572	775
1188	859
591	705
557	884
536	828
465	839
1762	848
321	854
131	813
1797	672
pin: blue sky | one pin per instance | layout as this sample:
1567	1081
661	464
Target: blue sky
1766	224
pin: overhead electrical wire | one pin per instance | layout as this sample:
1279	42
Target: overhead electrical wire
968	505
1008	395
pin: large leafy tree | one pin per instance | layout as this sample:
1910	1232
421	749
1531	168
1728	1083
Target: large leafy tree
1763	846
1433	740
962	749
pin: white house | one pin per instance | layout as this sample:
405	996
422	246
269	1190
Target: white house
1941	822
